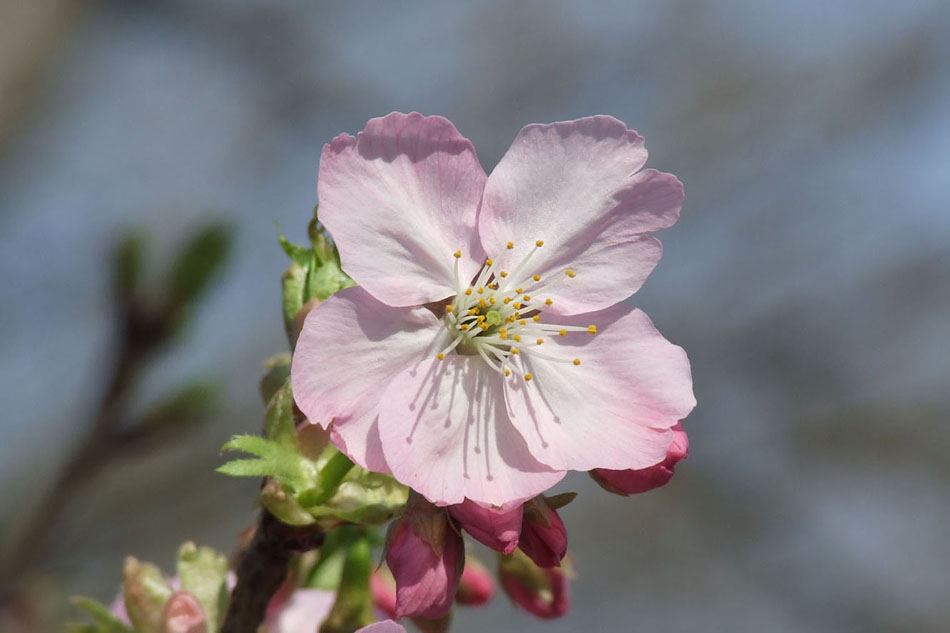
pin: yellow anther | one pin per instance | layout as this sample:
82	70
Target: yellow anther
480	319
514	350
562	333
503	274
527	297
507	300
488	262
484	326
507	372
539	243
468	291
458	254
570	273
502	333
517	306
528	376
577	361
511	245
522	322
592	329
481	290
482	303
515	316
539	341
441	356
449	308
537	277
536	318
493	286
517	338
491	300
519	290
548	302
473	312
463	327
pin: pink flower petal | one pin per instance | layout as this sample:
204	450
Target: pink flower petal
445	433
574	185
304	611
386	626
350	346
399	200
614	409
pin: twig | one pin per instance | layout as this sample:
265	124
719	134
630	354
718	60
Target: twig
262	569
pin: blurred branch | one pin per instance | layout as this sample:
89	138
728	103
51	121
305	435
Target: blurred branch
147	322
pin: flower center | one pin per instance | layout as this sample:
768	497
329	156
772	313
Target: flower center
500	316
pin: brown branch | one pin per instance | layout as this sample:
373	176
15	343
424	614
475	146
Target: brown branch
262	569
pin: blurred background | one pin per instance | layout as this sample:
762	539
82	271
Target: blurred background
808	279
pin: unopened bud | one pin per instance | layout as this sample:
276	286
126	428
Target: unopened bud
543	535
490	527
183	614
541	592
634	481
383	589
426	556
476	586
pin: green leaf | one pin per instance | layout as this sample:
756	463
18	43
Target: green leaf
198	262
203	574
128	264
105	621
279	420
292	470
146	593
298	254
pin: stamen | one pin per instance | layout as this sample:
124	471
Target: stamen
570	273
539	341
539	243
511	245
577	361
537	277
528	376
592	329
458	254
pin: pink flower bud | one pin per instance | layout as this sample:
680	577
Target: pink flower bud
383	590
629	482
426	556
183	614
493	528
476	586
541	592
543	536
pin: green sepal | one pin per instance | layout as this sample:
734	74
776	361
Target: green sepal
279	420
204	574
363	498
283	505
558	501
105	621
146	593
323	280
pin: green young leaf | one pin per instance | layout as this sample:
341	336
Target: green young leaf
105	621
277	370
293	286
292	470
279	420
146	593
363	498
196	265
204	574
